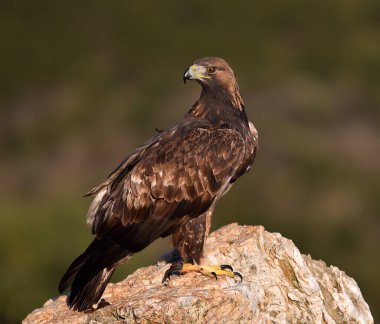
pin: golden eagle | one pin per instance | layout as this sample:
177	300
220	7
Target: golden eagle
168	186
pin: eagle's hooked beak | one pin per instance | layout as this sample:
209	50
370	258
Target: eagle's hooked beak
195	72
186	76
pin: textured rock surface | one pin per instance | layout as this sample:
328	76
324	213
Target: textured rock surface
280	285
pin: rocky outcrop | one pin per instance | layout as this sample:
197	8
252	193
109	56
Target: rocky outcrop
280	286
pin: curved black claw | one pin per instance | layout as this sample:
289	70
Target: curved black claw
238	274
226	266
190	260
215	276
174	270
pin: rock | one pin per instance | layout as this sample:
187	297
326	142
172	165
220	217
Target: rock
280	286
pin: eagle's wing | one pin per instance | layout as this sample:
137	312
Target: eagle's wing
178	173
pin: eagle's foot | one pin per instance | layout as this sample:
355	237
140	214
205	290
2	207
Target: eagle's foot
212	271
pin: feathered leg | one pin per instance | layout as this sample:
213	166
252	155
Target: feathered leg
189	240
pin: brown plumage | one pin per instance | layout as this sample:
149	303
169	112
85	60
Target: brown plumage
169	185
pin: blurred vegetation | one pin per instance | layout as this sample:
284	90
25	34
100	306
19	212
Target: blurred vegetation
84	82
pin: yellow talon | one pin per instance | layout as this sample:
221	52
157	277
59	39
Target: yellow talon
211	271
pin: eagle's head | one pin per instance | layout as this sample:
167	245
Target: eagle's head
211	72
216	78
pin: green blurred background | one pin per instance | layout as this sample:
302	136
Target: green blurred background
82	83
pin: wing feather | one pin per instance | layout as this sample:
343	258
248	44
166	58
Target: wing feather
178	173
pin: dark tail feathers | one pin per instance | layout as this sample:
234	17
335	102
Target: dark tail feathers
90	273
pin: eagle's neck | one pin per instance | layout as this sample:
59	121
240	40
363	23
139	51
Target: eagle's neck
228	93
220	106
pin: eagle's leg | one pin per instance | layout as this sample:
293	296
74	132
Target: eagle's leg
190	238
189	242
212	271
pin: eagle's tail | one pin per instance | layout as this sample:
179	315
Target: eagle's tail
90	273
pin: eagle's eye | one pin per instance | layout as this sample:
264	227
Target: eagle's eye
210	69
